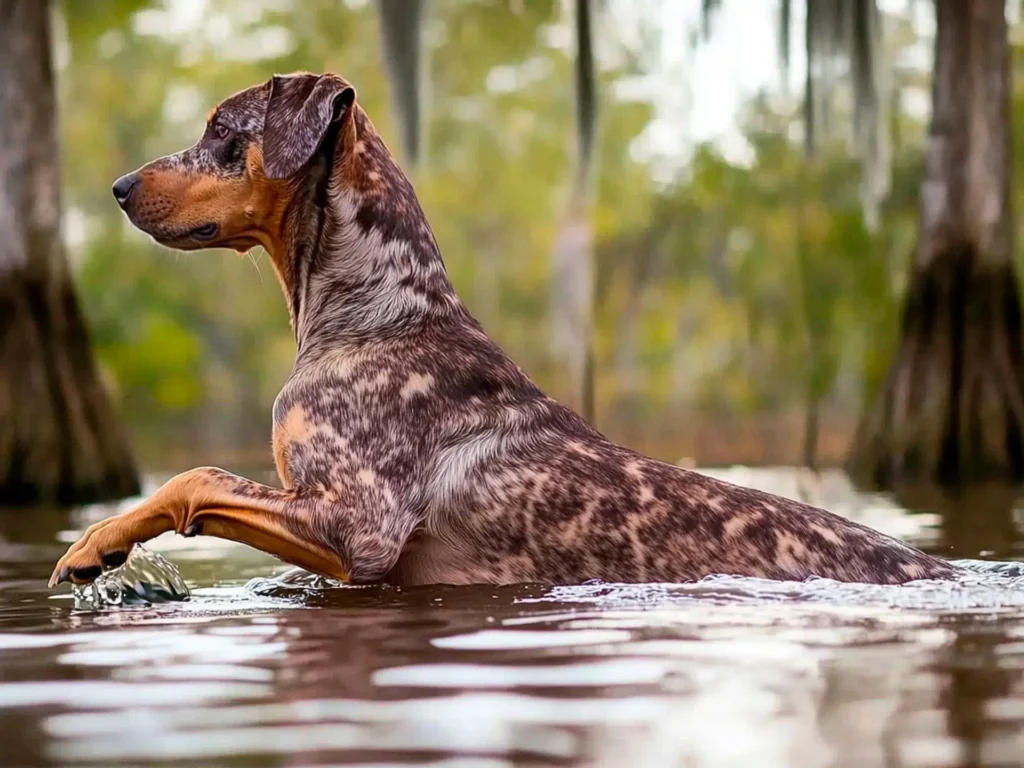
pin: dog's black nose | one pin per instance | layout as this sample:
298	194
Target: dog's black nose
123	188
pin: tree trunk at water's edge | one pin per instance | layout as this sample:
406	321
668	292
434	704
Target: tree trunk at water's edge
947	426
60	441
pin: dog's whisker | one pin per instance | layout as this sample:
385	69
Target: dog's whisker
254	258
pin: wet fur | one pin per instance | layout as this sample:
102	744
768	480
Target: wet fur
411	449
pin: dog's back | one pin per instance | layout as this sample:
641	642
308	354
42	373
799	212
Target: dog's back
585	508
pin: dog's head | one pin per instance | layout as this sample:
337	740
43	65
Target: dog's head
233	187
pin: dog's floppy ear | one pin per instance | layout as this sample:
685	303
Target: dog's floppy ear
300	109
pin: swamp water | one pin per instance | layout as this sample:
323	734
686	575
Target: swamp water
247	662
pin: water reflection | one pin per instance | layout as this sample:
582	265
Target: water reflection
599	675
293	671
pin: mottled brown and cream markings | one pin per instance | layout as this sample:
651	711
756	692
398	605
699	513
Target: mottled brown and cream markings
411	448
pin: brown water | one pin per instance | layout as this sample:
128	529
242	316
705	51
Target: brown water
727	672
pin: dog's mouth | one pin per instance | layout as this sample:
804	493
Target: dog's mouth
182	239
205	233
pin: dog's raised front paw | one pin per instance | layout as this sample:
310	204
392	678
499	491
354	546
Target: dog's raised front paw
103	546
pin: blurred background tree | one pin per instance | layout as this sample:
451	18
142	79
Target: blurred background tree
60	440
746	298
947	427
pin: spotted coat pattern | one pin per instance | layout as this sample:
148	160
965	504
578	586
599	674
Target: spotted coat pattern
411	448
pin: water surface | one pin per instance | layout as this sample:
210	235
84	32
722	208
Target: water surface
257	670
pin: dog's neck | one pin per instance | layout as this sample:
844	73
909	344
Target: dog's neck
365	266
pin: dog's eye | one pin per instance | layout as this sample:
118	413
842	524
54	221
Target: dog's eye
221	131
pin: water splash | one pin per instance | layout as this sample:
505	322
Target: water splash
982	587
144	579
293	582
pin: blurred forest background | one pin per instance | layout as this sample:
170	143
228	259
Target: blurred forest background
740	292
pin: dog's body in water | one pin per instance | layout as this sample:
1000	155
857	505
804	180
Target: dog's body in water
411	449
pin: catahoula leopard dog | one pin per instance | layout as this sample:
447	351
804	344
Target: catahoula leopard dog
410	448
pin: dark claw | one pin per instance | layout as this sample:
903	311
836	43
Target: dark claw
193	530
65	574
87	572
115	559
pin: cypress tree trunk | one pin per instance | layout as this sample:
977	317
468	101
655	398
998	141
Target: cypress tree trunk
947	425
401	24
60	442
573	267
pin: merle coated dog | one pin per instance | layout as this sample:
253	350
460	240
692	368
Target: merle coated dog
410	448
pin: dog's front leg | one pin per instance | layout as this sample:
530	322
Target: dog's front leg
333	533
